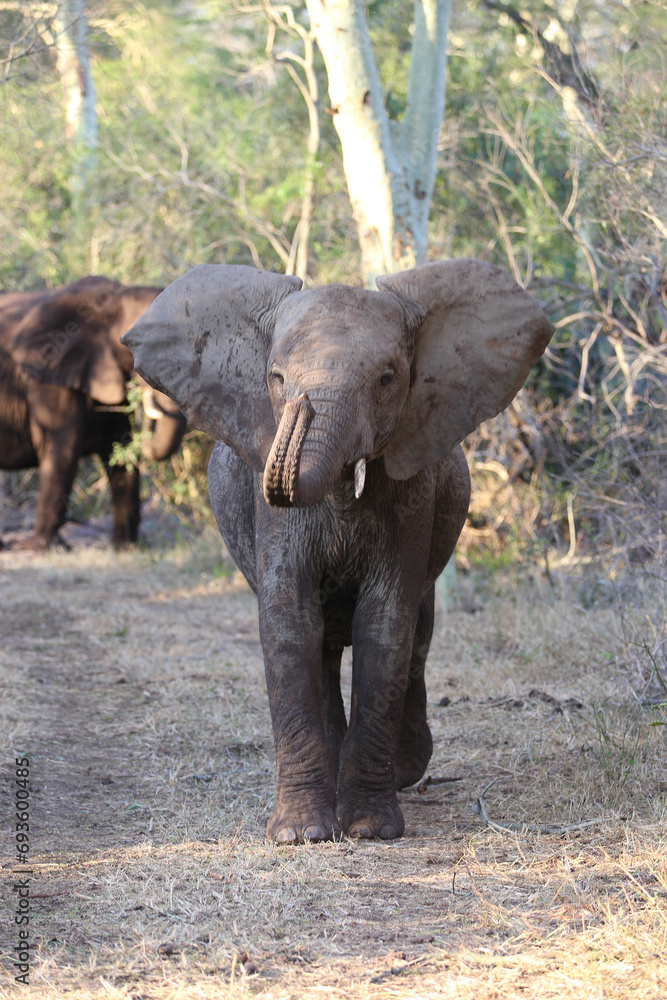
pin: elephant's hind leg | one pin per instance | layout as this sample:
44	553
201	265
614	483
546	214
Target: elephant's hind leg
415	744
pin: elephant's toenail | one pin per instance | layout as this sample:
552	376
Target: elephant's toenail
362	830
388	832
315	833
286	836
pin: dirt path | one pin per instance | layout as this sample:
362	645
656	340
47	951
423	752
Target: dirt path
135	686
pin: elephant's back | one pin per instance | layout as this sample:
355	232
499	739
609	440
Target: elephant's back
13	307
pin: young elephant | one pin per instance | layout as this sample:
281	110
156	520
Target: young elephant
340	491
63	375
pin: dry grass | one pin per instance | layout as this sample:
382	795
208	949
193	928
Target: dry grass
135	683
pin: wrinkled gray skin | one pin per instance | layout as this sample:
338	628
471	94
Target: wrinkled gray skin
301	388
63	373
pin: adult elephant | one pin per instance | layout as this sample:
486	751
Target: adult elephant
340	489
63	376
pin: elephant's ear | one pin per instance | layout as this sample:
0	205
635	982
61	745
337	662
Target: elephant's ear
481	336
204	343
64	340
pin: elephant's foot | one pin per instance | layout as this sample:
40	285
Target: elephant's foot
40	543
412	756
121	544
372	819
295	826
124	538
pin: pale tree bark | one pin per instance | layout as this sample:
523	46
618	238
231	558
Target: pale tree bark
390	167
73	60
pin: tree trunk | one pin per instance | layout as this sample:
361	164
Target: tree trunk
73	61
390	167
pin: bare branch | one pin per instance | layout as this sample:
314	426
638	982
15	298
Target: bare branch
521	152
555	829
584	363
182	178
35	36
283	17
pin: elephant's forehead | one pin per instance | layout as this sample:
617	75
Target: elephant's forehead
339	316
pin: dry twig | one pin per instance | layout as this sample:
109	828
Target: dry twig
479	808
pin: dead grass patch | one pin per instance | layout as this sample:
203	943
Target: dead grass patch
135	683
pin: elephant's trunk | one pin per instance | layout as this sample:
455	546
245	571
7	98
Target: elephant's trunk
166	428
309	453
281	472
164	441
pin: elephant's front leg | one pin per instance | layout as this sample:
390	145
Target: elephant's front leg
57	468
292	634
125	483
383	636
56	426
124	480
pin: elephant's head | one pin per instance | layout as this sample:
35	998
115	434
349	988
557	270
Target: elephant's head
71	337
308	385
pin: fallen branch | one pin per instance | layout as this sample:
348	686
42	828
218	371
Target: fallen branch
423	785
49	895
479	808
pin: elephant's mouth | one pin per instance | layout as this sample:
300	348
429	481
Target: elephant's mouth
281	473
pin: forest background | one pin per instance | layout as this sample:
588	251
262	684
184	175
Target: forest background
212	140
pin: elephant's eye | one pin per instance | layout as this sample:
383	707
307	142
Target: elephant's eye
277	377
385	379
